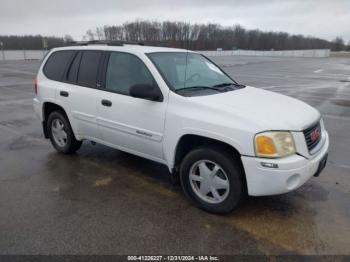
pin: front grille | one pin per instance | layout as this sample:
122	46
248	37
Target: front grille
313	136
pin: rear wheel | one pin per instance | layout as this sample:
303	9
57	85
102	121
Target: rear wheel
61	134
212	178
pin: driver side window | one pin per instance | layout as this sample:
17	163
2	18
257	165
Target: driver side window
125	70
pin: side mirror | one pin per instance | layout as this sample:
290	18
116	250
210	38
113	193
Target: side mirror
145	91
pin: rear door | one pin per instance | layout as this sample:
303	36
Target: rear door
79	93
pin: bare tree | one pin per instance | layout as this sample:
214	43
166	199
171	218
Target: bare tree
90	35
33	42
338	44
68	38
185	35
100	33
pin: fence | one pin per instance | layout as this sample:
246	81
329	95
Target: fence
22	54
39	54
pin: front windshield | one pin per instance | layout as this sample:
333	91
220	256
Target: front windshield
183	70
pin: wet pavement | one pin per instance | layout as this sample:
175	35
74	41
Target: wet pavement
103	201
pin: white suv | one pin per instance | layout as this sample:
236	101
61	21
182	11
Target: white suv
176	107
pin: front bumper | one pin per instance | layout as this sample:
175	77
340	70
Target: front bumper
292	172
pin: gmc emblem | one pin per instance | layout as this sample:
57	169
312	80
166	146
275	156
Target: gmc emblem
314	135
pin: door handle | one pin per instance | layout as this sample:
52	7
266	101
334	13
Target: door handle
106	102
64	93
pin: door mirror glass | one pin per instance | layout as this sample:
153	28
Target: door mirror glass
146	91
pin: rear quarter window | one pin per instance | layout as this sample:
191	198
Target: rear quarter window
56	64
88	70
72	72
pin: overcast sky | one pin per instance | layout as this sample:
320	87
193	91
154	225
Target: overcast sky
321	18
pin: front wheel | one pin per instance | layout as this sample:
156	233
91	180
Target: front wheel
61	133
213	179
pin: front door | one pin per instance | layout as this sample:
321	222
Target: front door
132	124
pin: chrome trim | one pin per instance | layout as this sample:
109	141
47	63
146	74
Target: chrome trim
319	145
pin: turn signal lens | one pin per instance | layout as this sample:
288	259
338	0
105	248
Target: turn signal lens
265	145
274	144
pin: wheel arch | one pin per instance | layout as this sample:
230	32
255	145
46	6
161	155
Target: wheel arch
187	142
48	108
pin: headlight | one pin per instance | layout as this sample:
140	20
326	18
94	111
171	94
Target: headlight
274	144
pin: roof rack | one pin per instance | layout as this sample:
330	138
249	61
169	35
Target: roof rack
105	42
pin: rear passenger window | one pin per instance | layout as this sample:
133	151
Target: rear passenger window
125	70
88	70
73	70
56	64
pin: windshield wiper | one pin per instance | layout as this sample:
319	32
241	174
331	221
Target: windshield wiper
198	87
228	84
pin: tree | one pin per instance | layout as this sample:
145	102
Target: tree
338	44
68	38
32	42
206	36
100	33
184	35
90	35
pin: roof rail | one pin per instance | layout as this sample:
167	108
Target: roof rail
105	42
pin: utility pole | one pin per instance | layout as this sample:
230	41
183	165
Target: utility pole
2	50
45	46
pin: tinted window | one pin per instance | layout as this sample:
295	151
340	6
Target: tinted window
125	70
73	70
56	64
88	70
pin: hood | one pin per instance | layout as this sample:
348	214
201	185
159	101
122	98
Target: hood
269	110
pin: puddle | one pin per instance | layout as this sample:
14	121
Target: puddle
23	142
17	122
278	222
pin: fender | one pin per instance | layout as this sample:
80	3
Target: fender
170	145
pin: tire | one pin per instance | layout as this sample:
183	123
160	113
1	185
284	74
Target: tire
228	179
65	144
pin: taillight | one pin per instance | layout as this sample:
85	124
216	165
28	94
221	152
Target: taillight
36	86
